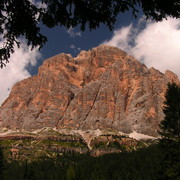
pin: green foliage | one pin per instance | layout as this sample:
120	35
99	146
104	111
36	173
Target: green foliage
100	145
1	164
136	165
37	148
170	126
170	135
21	18
70	173
114	144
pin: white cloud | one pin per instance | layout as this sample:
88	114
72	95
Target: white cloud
121	38
72	46
156	45
16	69
76	49
73	33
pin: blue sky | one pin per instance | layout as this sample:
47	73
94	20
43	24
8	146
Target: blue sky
73	40
154	44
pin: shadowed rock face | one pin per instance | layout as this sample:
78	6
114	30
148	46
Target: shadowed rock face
99	89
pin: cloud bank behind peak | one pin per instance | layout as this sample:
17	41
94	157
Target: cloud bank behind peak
17	68
154	44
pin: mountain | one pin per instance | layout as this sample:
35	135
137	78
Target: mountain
103	88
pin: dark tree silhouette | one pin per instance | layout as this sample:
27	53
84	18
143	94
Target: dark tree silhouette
170	135
170	126
22	17
1	164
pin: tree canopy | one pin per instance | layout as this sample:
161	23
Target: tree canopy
21	18
170	126
170	135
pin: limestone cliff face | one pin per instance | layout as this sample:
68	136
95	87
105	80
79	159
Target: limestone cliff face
99	89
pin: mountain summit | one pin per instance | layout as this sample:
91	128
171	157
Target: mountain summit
103	88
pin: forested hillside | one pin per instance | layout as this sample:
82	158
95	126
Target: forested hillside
136	165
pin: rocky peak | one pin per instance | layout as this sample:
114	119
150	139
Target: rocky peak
172	77
103	88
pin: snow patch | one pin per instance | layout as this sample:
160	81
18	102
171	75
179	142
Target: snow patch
139	136
89	135
6	132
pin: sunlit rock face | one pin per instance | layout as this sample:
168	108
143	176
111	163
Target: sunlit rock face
103	88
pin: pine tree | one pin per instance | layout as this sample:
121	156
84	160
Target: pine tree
170	135
1	164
